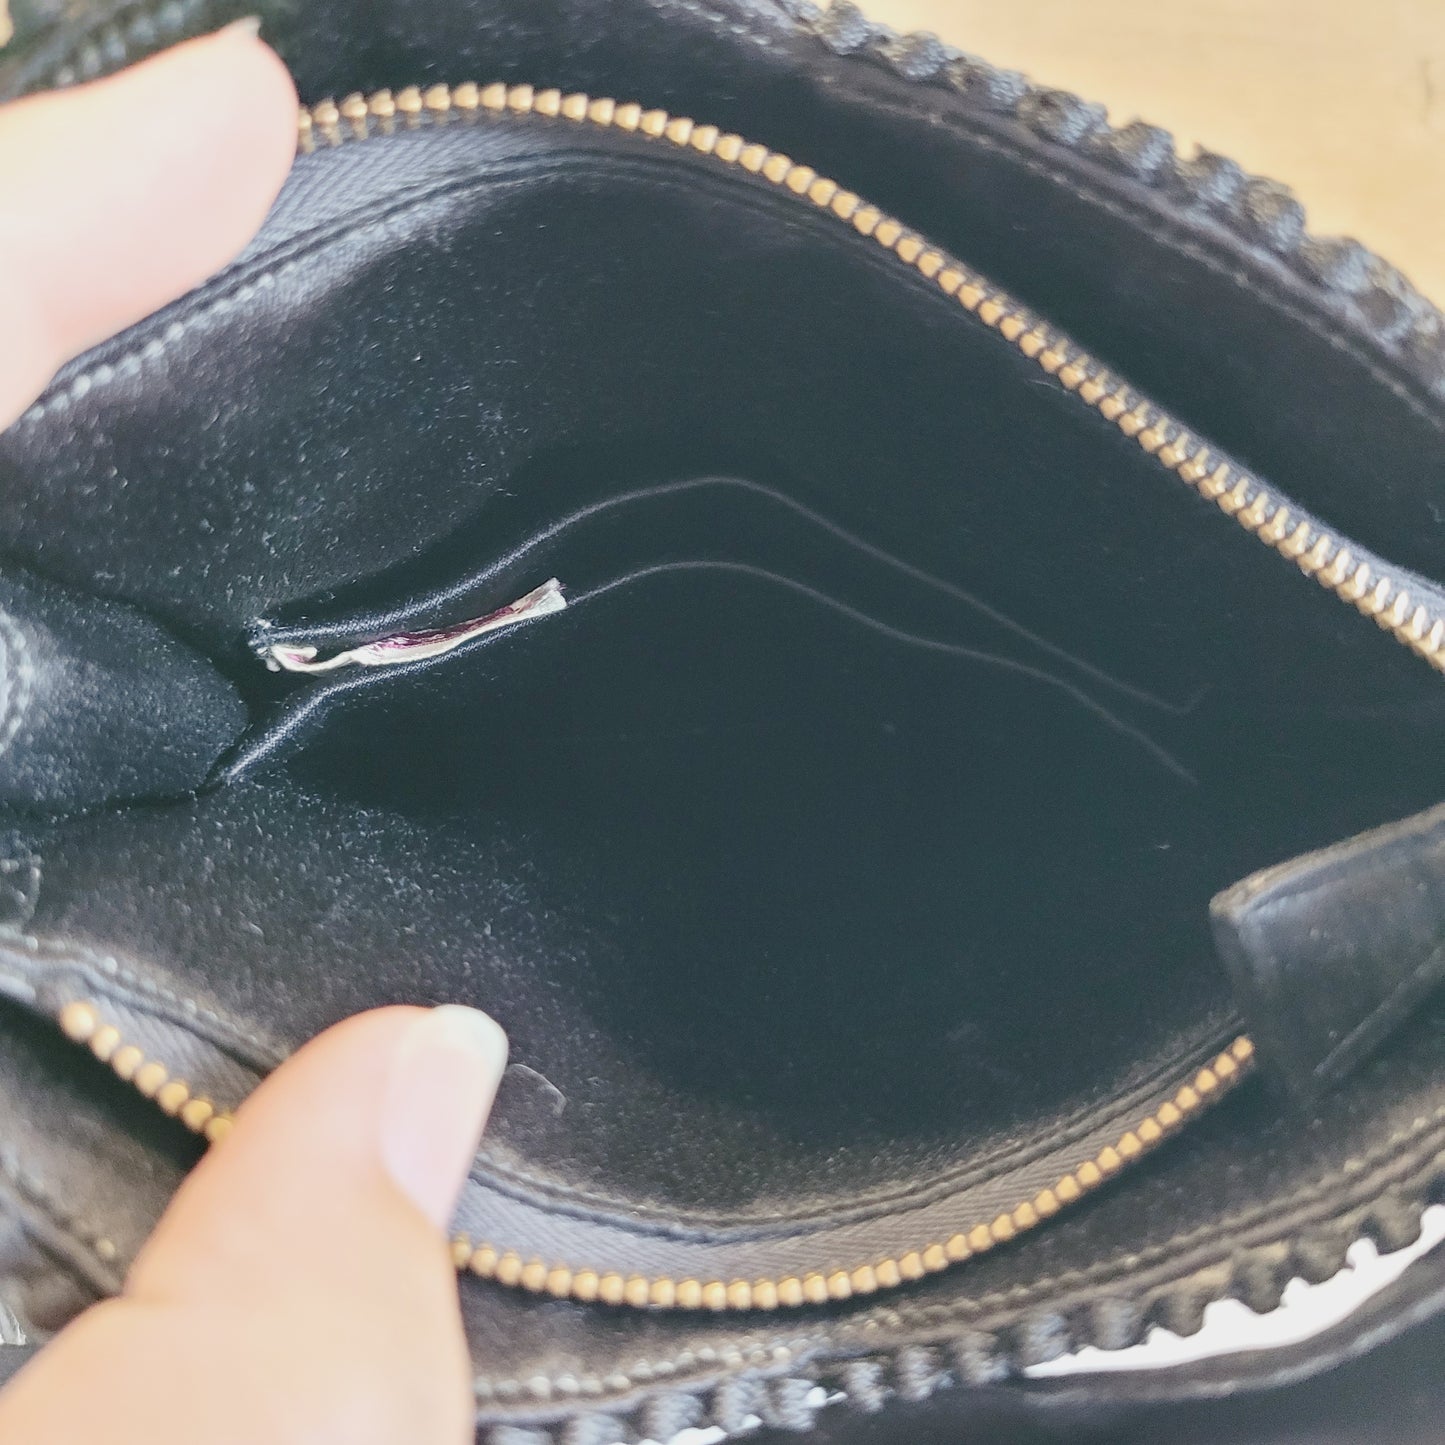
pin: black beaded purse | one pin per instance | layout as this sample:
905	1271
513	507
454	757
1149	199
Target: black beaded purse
800	572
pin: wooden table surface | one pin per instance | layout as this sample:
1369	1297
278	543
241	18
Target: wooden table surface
1344	100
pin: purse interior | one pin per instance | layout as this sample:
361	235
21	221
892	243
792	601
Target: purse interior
845	845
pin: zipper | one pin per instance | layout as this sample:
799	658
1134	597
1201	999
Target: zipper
562	1281
83	1021
1411	619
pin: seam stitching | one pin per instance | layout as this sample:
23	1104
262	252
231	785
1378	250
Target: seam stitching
1226	265
18	668
38	1195
1065	122
28	894
1208	1234
78	955
969	1175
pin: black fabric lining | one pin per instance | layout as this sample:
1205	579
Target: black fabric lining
503	690
864	1205
435	606
443	605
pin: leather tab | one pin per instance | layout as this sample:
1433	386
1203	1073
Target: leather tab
1330	952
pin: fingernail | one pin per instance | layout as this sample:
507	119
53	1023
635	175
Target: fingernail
442	1080
248	26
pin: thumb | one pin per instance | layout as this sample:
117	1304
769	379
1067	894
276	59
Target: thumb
118	196
300	1288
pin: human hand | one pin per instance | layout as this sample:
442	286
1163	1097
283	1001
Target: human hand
300	1290
117	197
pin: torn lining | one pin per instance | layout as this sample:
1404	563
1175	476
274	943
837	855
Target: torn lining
400	647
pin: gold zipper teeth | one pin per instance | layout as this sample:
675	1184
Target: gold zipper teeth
83	1021
1315	551
562	1281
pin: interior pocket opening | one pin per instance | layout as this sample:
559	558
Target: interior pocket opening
858	875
